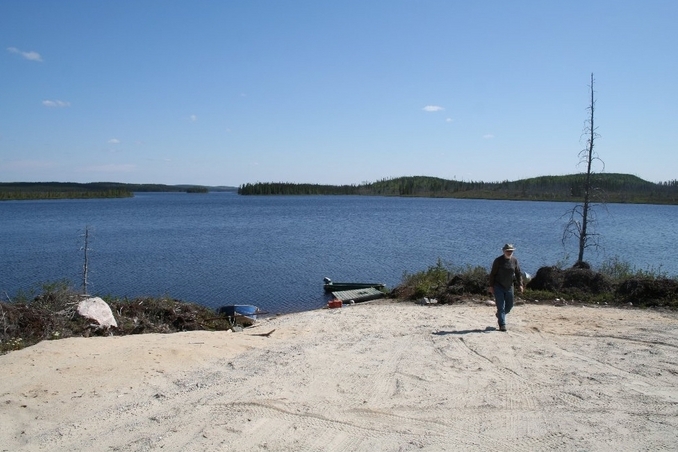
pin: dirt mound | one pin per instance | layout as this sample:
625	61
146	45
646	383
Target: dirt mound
547	278
582	282
652	292
575	280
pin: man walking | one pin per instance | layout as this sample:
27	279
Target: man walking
505	271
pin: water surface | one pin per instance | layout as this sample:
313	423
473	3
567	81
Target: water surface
221	248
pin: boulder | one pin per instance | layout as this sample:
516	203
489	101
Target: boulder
98	310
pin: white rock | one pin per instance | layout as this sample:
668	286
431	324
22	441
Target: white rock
98	310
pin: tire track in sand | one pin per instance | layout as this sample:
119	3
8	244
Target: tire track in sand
335	435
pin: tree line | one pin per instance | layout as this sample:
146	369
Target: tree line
612	187
18	191
71	190
623	188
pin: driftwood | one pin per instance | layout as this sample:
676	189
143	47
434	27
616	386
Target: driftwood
263	334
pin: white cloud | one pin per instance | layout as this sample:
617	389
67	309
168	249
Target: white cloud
489	136
449	120
55	103
193	118
114	141
433	108
32	56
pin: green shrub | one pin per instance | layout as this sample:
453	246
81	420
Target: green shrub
441	280
427	283
617	269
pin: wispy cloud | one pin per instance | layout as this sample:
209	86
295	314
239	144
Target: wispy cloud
449	120
433	108
193	118
32	56
55	103
488	136
113	141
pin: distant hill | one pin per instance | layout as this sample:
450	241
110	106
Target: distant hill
72	190
610	187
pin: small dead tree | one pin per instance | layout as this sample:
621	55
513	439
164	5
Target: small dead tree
582	217
85	265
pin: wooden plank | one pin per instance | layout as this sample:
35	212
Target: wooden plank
358	295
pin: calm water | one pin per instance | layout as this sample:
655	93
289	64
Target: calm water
273	252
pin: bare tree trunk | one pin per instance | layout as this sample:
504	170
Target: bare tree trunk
85	266
582	215
583	236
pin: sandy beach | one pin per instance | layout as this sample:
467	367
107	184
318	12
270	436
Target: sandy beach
387	376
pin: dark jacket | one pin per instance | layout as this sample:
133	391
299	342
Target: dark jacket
505	272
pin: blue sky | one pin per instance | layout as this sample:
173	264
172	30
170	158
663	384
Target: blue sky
336	92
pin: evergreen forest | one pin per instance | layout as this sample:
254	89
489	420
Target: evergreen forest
609	187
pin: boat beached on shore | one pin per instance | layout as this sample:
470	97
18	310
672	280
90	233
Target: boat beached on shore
331	286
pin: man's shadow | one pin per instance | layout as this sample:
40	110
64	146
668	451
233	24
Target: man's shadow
459	332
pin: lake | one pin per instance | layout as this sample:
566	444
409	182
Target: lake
273	251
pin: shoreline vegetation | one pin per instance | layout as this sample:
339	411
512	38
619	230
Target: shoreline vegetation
609	187
51	313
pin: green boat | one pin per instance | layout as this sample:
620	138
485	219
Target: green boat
331	286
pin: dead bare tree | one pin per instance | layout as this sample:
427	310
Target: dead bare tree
85	266
582	217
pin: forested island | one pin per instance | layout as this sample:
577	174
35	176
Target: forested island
71	190
609	187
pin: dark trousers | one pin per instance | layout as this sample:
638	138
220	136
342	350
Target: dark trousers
504	300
